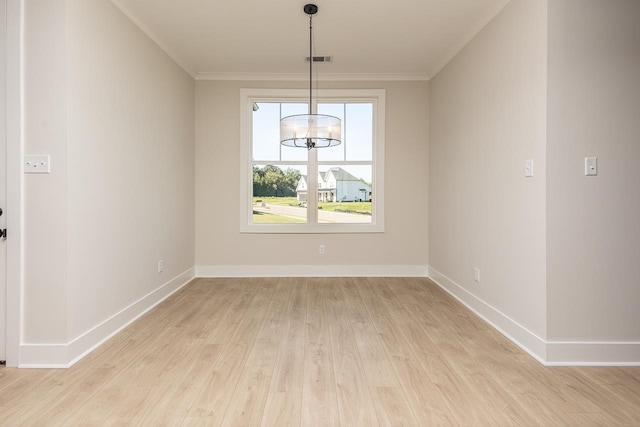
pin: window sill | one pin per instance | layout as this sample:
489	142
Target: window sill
311	229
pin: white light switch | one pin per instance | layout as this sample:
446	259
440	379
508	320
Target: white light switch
591	166
37	164
528	168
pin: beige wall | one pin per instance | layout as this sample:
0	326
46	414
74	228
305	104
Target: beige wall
488	108
594	222
45	197
131	164
219	242
117	116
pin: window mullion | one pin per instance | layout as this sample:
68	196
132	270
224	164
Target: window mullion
344	131
312	191
280	145
312	170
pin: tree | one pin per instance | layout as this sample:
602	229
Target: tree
292	178
258	182
270	180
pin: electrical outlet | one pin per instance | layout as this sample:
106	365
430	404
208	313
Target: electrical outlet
37	163
476	274
160	266
321	249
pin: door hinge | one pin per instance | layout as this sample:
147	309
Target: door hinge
3	233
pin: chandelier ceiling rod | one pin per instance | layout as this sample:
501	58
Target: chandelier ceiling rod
311	9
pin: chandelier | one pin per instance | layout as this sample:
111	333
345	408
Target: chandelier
310	130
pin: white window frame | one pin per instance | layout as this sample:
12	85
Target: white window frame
248	97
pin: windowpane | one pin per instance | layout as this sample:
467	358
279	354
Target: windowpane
266	131
345	194
292	108
337	151
292	153
279	194
359	132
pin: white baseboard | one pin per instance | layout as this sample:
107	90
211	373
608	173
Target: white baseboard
49	356
66	355
311	271
593	353
549	353
521	336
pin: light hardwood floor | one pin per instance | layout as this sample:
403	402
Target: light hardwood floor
315	352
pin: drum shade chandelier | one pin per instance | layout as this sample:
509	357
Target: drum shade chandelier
310	130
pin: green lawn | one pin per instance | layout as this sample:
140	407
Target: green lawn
363	208
269	218
280	201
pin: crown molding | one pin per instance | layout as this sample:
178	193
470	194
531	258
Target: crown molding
146	29
332	77
466	38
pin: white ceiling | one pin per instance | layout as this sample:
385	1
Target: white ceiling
396	39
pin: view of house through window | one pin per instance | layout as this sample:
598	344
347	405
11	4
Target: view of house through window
280	195
281	191
296	187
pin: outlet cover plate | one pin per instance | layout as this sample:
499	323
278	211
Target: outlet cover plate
37	163
591	166
528	168
476	274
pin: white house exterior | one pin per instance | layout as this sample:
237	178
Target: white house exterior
336	185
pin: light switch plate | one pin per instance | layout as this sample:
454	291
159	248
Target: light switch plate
38	163
528	168
591	166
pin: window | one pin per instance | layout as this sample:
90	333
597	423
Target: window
277	181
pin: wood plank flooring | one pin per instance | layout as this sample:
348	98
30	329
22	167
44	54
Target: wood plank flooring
315	352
